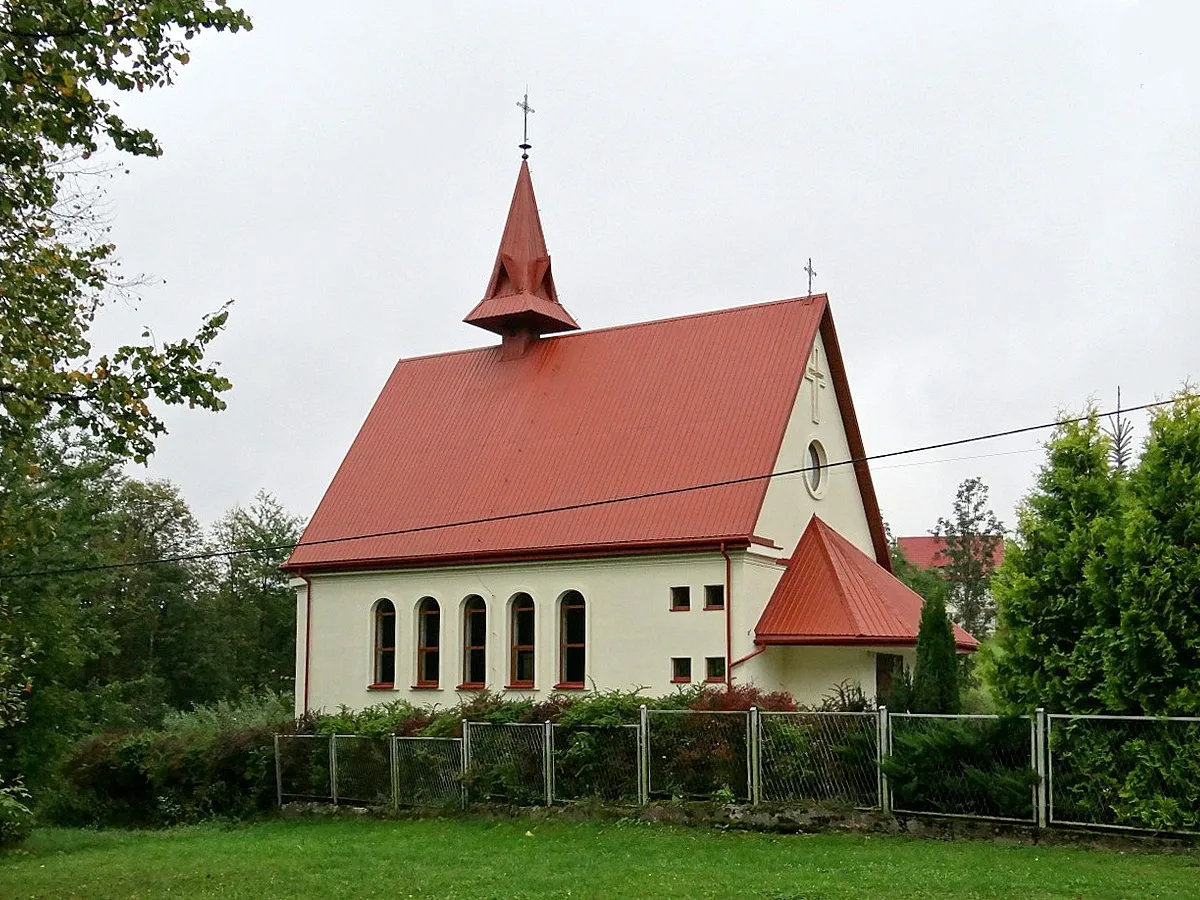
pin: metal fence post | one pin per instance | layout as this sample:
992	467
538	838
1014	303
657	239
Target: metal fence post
754	755
643	754
278	775
392	757
883	741
1039	765
548	760
333	795
464	756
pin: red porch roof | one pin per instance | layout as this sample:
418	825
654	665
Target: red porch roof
833	593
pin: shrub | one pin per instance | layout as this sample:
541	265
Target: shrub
16	821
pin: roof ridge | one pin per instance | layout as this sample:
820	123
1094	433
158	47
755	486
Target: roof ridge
853	566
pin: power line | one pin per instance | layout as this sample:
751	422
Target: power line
241	551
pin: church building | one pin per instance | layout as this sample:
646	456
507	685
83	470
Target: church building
652	505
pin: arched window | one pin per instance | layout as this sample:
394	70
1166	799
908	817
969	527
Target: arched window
572	636
429	639
474	642
385	644
521	635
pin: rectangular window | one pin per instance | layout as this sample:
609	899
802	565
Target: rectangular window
714	596
714	668
681	669
681	598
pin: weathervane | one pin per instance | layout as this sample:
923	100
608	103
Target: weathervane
524	105
811	272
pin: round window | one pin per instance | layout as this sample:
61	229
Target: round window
814	478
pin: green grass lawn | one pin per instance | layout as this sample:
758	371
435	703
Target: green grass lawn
488	859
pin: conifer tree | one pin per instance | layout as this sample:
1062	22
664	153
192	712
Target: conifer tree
936	680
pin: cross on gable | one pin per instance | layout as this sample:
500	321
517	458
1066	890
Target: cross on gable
813	374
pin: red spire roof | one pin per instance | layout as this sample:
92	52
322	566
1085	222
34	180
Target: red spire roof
521	294
833	593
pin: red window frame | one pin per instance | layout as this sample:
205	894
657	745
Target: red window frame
475	607
709	666
709	591
428	608
385	621
572	600
522	604
681	592
676	676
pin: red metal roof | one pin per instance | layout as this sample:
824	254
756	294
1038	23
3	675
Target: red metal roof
521	293
490	454
833	593
925	551
580	418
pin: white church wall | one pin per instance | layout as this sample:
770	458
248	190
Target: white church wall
811	674
789	504
632	634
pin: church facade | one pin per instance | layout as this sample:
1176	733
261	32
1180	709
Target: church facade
647	506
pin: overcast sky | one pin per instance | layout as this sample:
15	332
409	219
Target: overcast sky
1001	200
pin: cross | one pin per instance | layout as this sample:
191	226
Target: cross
814	374
811	272
524	105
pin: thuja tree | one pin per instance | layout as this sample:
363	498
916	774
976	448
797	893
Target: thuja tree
1152	659
1053	613
936	679
972	535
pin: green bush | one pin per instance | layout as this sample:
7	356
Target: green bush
16	821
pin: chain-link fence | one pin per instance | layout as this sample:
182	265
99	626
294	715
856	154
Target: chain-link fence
362	770
428	771
820	756
1100	771
594	761
699	754
1133	772
960	765
302	767
507	763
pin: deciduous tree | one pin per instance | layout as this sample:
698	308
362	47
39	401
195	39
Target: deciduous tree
971	535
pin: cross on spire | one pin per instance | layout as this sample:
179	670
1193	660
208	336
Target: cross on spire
527	109
811	274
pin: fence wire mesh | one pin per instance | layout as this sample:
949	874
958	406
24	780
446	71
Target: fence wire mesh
428	771
506	764
596	762
1127	772
362	769
699	754
980	766
302	767
820	756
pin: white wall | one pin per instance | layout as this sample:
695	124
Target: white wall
789	504
810	674
631	632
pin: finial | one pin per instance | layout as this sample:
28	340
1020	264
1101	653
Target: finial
524	105
811	272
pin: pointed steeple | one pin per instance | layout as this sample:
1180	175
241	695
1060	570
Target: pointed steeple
521	303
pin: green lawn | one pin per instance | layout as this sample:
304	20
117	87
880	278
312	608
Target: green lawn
487	859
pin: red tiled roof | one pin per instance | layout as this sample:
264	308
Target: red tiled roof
925	551
833	593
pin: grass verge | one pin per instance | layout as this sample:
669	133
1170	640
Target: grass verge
466	858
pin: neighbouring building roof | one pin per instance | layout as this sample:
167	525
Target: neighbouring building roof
925	551
833	593
518	451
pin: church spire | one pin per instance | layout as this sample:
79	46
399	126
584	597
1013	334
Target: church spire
521	303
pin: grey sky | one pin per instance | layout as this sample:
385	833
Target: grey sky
1000	198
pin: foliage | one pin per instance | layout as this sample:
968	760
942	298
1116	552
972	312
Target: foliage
16	820
1152	659
971	536
215	761
1053	617
935	686
976	766
925	582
